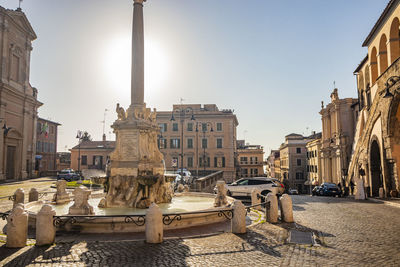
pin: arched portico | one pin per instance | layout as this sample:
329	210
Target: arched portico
376	177
394	134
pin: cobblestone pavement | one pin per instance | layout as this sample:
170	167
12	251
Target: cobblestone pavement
347	232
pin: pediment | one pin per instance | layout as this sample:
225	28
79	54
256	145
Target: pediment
21	20
14	134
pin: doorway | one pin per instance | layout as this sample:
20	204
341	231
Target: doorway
10	167
376	169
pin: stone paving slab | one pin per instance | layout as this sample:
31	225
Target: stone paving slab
348	233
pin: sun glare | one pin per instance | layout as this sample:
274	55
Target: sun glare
118	65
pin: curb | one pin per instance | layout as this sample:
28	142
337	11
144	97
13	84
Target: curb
386	202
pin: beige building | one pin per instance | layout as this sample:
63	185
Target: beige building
338	126
277	168
18	99
203	136
293	158
376	151
250	159
46	146
270	165
314	173
92	154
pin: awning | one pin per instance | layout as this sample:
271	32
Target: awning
38	157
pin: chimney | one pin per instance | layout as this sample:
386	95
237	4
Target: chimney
104	137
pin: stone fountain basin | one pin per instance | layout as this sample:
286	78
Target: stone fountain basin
182	202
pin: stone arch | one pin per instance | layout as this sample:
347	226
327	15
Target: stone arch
373	65
394	40
393	129
383	59
375	166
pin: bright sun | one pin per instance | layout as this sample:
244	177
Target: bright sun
118	64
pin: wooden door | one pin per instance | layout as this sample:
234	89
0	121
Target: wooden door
10	171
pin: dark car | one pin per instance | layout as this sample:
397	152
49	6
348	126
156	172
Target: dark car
68	175
328	189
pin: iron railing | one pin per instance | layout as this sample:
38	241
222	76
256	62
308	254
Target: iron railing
168	218
62	220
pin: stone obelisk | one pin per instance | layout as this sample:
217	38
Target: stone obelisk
137	82
137	165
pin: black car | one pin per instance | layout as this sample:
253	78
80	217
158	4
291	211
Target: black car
68	175
315	191
328	189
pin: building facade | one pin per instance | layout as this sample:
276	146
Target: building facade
18	99
46	146
93	155
203	136
293	161
270	168
277	168
250	159
63	160
314	173
376	151
338	126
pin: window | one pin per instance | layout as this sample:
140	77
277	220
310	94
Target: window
204	143
298	150
299	176
298	162
162	143
190	127
84	160
207	161
51	129
219	142
204	127
38	146
190	162
163	127
244	172
243	160
39	127
175	143
175	127
15	68
223	162
215	162
189	143
219	126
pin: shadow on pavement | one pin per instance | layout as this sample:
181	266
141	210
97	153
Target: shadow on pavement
259	243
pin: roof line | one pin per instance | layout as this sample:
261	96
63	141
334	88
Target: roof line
386	11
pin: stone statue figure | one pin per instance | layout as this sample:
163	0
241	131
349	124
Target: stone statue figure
121	112
153	115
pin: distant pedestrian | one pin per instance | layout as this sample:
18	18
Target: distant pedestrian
352	186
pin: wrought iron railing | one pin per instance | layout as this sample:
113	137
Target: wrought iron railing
168	218
4	215
62	220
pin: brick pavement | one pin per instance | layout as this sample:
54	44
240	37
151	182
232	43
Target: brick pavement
348	233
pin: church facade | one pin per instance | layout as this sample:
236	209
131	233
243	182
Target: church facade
18	99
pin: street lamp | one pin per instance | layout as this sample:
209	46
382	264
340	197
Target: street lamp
182	112
389	83
79	136
204	128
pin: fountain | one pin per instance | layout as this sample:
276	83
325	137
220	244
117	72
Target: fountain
137	169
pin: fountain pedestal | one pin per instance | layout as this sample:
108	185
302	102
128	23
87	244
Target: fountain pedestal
137	168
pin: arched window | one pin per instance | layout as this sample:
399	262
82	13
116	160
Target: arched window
373	62
383	60
394	40
361	89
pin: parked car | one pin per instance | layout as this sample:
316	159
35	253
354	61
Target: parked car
68	175
328	189
293	192
243	187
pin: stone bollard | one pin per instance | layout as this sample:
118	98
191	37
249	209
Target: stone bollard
181	188
154	224
19	197
33	195
61	196
81	205
272	213
255	199
360	193
239	218
45	229
381	192
17	227
286	208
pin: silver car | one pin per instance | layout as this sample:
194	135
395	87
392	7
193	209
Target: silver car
243	187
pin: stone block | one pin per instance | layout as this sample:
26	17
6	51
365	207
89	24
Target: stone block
255	200
239	218
272	213
154	225
286	208
17	227
45	229
33	195
19	197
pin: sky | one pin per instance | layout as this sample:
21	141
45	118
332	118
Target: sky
272	62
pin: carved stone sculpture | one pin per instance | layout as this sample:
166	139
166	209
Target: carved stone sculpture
61	196
220	199
81	205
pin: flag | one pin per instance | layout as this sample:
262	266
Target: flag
45	130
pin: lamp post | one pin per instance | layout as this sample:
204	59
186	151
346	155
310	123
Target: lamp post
389	83
204	130
182	112
79	136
